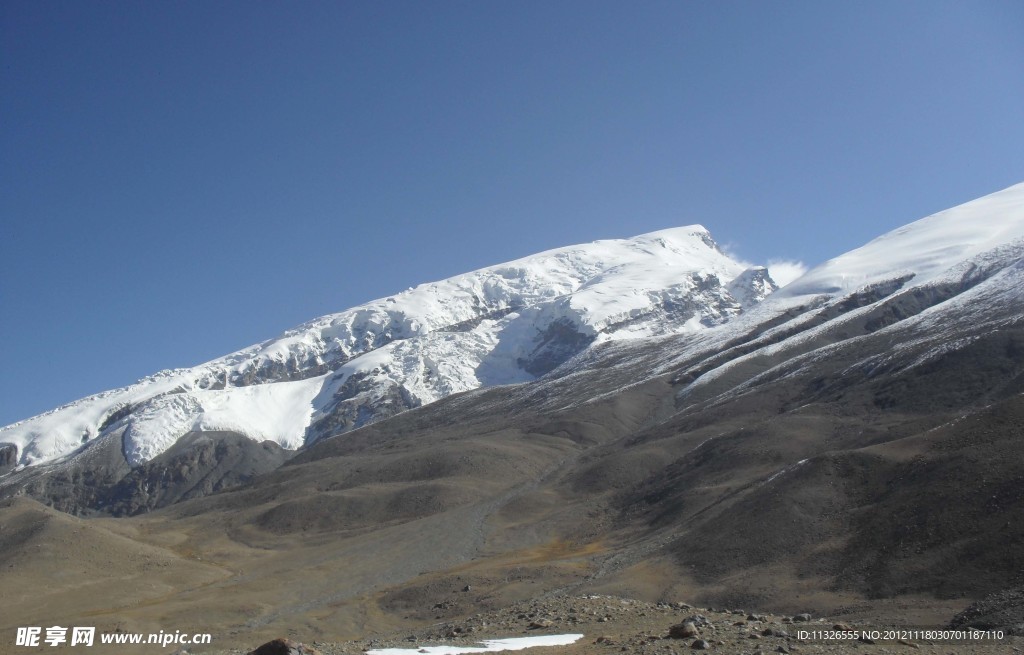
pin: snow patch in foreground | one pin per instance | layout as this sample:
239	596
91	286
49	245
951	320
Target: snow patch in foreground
489	646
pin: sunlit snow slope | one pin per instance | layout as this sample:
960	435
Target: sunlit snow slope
503	324
925	250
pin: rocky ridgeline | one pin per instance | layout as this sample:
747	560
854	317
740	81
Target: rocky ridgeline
616	625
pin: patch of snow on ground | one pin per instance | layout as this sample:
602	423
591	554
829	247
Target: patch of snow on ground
785	470
488	646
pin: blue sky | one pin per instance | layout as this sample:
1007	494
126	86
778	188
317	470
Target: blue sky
180	180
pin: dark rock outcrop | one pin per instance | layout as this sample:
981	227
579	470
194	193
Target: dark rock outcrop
1003	610
8	457
284	647
198	464
99	480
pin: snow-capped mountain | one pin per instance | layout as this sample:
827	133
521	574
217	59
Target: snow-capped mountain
855	434
502	324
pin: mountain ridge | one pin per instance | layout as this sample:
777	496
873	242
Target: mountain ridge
501	324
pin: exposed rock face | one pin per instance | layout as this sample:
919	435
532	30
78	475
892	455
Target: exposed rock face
752	286
556	344
361	400
199	464
289	370
8	457
76	487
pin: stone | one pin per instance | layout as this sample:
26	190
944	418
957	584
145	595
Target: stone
284	647
700	644
698	620
683	630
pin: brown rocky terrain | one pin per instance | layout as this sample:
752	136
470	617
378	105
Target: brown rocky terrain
612	624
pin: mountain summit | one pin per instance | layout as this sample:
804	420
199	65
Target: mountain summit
503	324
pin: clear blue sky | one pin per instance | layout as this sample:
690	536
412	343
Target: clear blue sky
183	179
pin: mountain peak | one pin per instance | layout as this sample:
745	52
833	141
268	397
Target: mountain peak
752	286
506	323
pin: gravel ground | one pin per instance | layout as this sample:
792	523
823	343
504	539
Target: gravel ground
620	625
